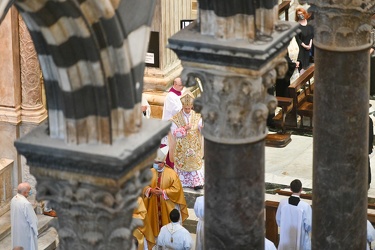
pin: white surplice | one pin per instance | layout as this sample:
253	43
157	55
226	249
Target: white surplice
174	236
295	225
370	234
268	245
24	223
199	212
172	105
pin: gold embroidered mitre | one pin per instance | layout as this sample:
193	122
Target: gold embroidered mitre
187	99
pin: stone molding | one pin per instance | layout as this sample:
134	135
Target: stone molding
10	115
342	27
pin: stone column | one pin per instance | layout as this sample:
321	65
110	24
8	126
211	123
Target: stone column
93	188
32	108
33	111
341	102
235	70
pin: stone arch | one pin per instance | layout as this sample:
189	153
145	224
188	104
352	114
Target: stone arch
92	58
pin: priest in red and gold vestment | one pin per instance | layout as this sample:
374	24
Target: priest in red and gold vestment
163	195
188	148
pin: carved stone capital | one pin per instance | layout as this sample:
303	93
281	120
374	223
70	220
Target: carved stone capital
234	102
93	212
342	27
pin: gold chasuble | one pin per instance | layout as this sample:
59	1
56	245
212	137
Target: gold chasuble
188	152
158	208
143	234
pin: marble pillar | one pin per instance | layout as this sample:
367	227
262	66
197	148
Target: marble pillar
33	111
32	108
235	71
341	101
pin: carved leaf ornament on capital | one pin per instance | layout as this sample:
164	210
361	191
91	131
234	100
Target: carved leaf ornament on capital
92	55
343	25
84	206
234	108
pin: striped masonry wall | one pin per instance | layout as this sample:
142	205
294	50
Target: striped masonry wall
92	57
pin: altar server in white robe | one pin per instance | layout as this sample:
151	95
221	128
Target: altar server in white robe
24	222
174	235
370	234
294	217
268	245
199	212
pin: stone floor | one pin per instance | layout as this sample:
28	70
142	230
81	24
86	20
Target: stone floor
282	165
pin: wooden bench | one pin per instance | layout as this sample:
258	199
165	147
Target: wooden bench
286	105
301	91
284	8
280	140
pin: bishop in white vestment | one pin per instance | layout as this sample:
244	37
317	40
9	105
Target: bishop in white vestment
23	220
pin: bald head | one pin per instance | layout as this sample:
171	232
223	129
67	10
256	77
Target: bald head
24	188
18	248
177	84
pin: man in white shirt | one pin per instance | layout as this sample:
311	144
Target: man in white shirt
173	235
172	105
24	222
294	217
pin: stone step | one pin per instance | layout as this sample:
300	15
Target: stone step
191	195
191	222
47	239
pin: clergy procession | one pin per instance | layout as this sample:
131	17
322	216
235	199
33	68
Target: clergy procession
163	208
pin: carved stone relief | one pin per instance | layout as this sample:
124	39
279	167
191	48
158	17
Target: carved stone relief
31	78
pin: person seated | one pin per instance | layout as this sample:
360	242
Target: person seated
174	235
